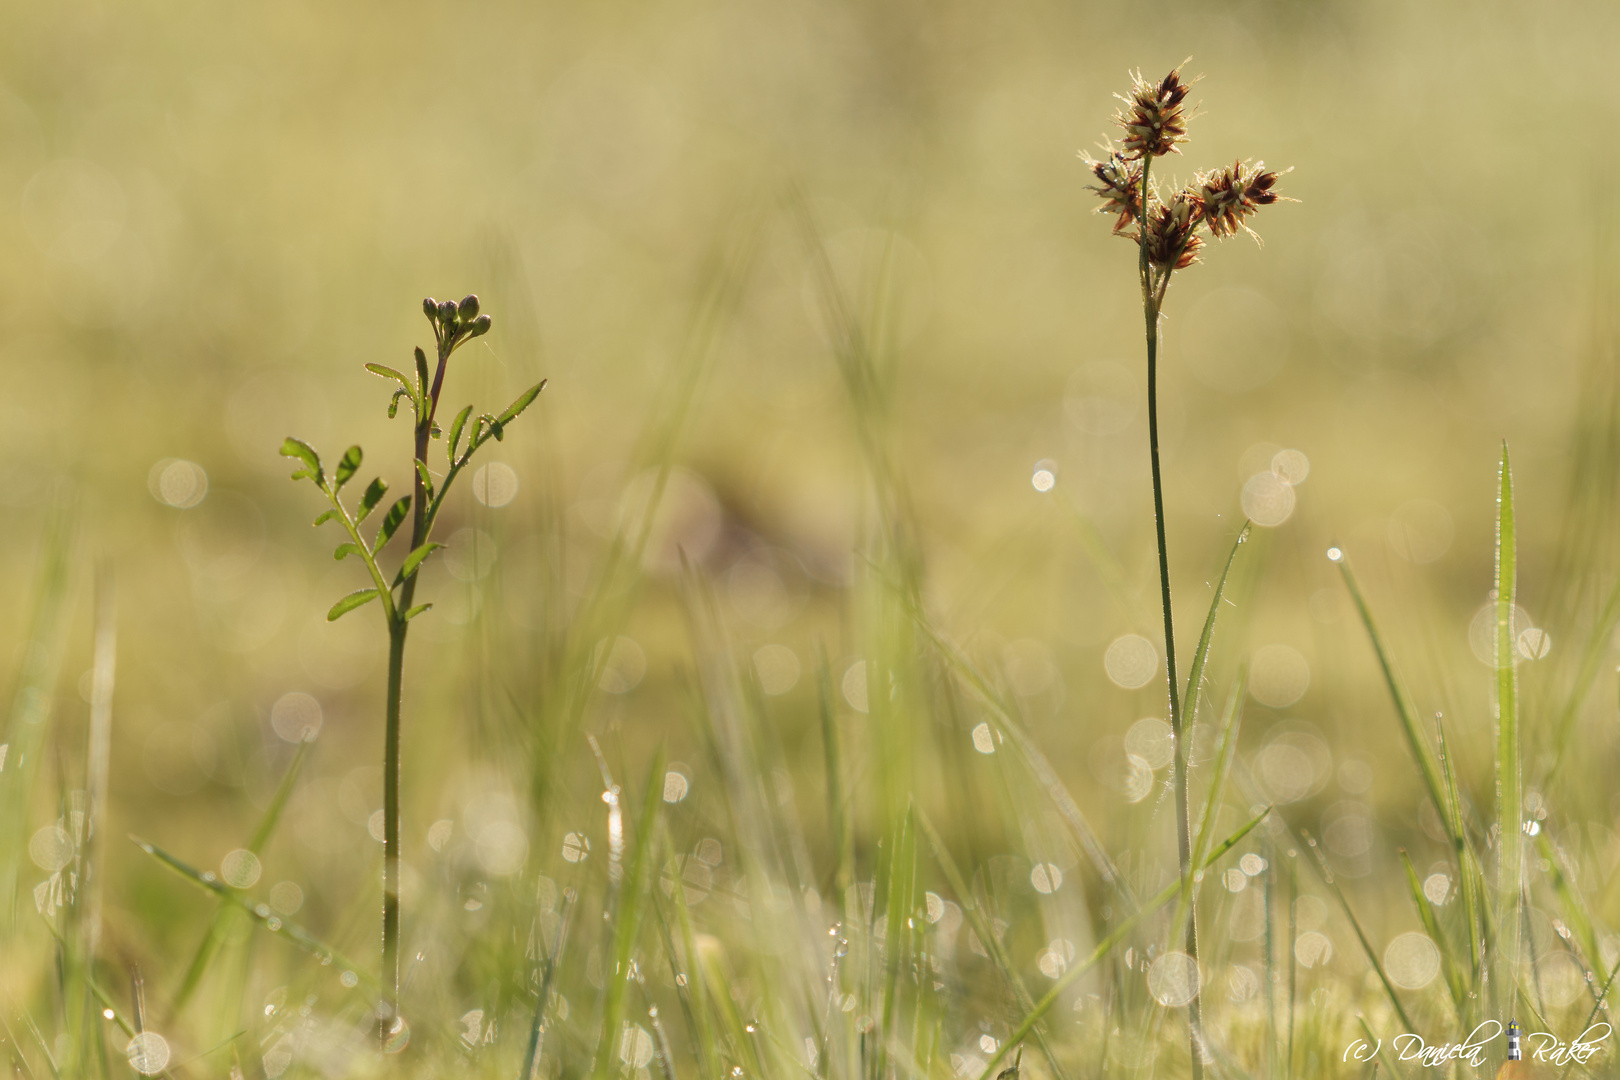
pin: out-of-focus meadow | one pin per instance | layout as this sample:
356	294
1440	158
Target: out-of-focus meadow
212	215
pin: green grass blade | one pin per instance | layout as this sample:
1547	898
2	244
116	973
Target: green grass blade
1404	709
1470	875
277	926
1332	883
1576	914
537	1027
986	932
1212	803
224	916
1510	800
1195	673
1431	926
838	825
1104	947
633	897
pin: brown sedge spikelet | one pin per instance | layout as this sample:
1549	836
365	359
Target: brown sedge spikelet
1119	185
1230	195
1154	120
1172	233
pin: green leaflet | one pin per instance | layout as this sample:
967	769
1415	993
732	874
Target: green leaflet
350	602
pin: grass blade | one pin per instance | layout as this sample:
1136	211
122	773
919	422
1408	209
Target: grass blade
1332	883
1431	926
280	927
1510	800
224	916
1195	673
1105	946
1404	709
986	933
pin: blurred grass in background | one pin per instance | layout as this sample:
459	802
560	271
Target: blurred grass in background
213	216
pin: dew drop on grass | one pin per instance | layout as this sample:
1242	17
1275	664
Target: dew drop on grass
495	484
1437	887
1044	478
676	786
240	869
1046	878
1267	499
1411	961
349	979
296	716
854	686
51	848
777	667
1313	949
575	847
148	1053
983	741
1278	676
1151	740
1252	864
1173	979
399	1036
177	483
286	897
1131	661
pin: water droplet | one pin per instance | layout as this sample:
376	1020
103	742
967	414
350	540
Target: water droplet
1334	554
148	1053
1173	979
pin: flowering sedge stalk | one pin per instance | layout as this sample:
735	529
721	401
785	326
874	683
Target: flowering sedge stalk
1167	234
453	325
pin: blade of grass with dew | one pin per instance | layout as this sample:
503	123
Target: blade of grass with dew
227	916
633	897
985	932
1105	946
537	1027
1431	926
1217	791
1576	915
1325	873
1470	875
1404	709
277	926
1195	673
22	744
686	966
1598	644
1597	1007
1509	806
1045	775
838	824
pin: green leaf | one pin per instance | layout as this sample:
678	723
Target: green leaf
455	431
297	448
419	609
495	427
421	375
427	478
391	522
349	603
389	373
326	515
416	558
393	402
524	400
348	466
345	549
1195	677
373	495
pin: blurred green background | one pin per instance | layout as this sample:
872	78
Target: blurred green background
213	214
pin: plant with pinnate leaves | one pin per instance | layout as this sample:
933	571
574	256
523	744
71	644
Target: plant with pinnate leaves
453	325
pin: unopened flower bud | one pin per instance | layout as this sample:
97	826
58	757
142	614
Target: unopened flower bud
481	325
469	307
447	313
430	308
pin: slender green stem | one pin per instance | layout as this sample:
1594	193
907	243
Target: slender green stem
398	626
1151	299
